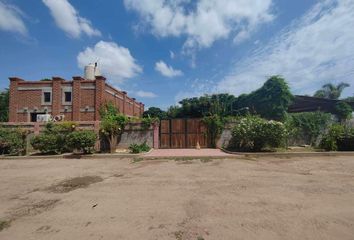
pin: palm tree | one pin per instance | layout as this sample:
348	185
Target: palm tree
331	91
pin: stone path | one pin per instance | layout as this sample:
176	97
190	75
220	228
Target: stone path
207	152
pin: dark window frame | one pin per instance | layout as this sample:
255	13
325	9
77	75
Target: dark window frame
47	97
68	95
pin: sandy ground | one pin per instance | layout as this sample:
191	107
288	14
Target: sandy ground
307	198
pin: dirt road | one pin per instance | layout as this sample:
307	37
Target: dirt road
297	198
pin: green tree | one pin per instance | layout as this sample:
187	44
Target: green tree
343	111
207	105
112	124
271	101
174	112
155	112
4	106
331	91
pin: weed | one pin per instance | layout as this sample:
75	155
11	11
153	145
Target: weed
4	224
178	235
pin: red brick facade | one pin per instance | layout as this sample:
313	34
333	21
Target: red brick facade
28	98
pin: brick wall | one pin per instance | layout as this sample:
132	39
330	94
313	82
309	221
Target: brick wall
26	98
126	105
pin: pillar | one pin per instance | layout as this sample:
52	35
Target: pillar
134	106
124	102
100	83
56	95
76	98
13	105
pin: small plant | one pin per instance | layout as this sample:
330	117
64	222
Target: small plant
139	148
82	140
4	224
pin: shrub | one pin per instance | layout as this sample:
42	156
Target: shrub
346	142
53	139
146	122
139	148
338	138
253	133
343	111
82	140
48	143
329	140
307	125
214	126
12	141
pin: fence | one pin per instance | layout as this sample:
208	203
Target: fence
133	133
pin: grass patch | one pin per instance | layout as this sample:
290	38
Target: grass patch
136	160
4	224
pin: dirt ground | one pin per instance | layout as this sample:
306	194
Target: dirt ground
270	198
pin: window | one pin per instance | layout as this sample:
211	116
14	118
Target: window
67	96
47	98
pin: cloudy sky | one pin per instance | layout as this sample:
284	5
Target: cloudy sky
161	51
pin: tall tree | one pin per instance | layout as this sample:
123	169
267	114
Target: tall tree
155	112
4	105
271	101
331	91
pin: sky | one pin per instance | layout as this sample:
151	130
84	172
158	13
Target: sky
161	51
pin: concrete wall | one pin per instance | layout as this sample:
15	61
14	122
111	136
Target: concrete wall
225	137
133	133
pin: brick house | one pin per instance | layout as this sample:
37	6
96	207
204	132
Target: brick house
78	99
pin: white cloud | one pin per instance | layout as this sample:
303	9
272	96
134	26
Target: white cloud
195	88
316	49
68	19
203	21
145	94
166	70
11	19
115	61
172	55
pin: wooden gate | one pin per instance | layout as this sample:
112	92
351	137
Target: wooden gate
183	133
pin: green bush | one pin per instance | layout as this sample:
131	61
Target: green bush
343	111
53	139
307	125
338	138
146	122
329	140
346	142
12	141
48	143
214	126
139	148
253	133
82	140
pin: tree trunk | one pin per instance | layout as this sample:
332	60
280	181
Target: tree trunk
113	143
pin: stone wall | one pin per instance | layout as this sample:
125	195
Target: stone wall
134	133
